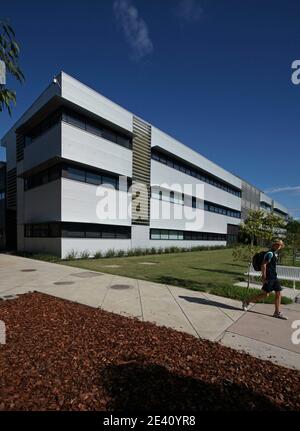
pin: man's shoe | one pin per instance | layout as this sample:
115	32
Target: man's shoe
245	305
280	316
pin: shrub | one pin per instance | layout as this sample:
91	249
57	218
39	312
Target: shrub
71	255
85	254
110	253
137	251
98	254
120	253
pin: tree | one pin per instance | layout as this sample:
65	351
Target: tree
258	228
293	238
9	55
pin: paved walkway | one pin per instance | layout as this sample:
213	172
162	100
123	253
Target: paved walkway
200	314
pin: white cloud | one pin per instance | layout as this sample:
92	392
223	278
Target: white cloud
134	27
189	10
284	189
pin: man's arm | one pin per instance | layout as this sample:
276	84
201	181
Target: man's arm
267	259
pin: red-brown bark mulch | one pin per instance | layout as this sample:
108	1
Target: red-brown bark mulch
65	356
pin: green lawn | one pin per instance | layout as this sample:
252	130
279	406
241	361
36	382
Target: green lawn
212	271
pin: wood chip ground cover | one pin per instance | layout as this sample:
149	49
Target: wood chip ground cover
65	356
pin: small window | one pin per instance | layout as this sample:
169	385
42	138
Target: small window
164	234
108	134
90	233
173	234
124	141
73	232
77	121
93	128
108	234
155	234
76	174
111	181
93	178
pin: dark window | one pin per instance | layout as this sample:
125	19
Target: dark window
109	181
93	233
76	174
124	141
108	134
77	121
93	128
165	234
73	231
93	178
184	167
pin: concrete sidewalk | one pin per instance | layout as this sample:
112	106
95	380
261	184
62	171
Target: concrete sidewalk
200	314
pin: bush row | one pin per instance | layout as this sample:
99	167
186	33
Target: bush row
74	254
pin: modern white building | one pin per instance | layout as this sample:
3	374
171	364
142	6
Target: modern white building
84	174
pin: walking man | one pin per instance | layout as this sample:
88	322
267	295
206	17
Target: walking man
270	280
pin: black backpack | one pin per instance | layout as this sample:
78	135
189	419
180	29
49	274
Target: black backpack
258	260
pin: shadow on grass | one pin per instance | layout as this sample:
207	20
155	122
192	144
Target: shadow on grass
220	271
239	265
144	387
209	302
182	282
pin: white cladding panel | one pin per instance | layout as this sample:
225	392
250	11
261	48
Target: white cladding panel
195	220
265	198
280	207
162	140
84	147
89	99
93	245
51	91
43	148
162	174
87	203
43	203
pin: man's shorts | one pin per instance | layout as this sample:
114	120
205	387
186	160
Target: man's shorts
272	284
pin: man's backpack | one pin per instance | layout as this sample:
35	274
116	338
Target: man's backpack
258	260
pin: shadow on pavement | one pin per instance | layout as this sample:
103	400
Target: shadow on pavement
210	302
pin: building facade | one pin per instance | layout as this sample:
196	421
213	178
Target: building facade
86	175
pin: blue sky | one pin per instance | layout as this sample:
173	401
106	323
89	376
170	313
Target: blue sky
214	74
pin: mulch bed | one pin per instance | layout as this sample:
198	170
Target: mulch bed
65	356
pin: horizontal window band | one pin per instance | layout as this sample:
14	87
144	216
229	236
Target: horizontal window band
169	234
76	230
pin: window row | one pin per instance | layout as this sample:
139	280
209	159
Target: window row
73	173
168	196
91	126
178	198
208	206
166	234
82	122
194	172
76	230
90	177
